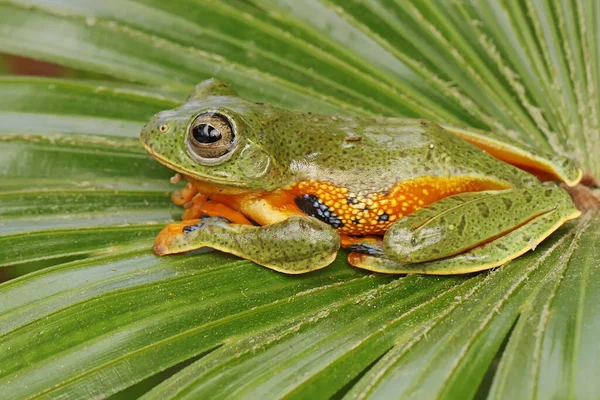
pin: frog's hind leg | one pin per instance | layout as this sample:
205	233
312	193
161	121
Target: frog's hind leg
546	167
293	246
489	255
459	223
432	241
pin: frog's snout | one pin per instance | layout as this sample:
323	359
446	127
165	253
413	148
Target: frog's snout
146	136
152	131
144	133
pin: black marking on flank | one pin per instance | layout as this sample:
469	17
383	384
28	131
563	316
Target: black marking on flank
310	204
528	197
548	192
351	200
356	221
507	204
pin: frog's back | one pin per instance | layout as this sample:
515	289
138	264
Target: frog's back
374	154
362	174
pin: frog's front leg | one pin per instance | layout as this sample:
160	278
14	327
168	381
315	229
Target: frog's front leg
184	195
293	246
471	231
201	206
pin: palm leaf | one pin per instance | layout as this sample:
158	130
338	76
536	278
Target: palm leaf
91	312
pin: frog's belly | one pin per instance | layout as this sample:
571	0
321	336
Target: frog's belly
372	213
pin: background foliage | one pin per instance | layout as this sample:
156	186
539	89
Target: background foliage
96	314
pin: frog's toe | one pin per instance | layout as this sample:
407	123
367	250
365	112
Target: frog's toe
174	238
375	263
184	195
160	249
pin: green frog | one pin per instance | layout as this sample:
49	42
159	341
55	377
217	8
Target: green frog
285	189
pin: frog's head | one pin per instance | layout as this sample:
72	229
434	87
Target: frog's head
216	137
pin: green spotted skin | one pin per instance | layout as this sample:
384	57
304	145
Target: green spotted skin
273	149
486	256
276	148
304	243
467	220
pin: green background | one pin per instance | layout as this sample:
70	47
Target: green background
87	311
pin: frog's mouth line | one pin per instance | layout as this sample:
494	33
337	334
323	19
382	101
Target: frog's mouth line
186	172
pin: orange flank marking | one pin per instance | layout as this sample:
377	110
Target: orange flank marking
373	213
361	213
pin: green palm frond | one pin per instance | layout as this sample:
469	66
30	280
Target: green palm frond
92	313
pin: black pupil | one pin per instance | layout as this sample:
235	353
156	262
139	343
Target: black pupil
205	134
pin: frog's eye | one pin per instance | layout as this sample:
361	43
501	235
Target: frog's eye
210	137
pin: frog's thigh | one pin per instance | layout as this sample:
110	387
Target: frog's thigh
489	255
462	222
544	166
293	246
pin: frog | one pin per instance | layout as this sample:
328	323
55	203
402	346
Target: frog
286	189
